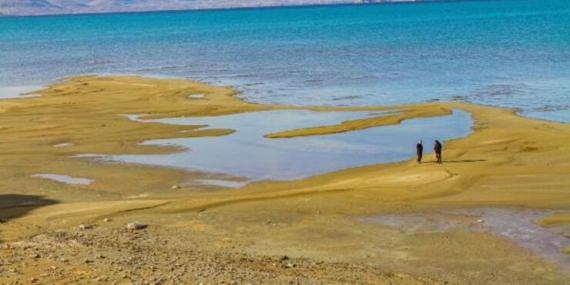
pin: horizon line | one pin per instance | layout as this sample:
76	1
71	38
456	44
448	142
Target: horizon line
269	7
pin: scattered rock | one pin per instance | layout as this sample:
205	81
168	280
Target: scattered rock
106	220
85	227
480	221
176	187
136	226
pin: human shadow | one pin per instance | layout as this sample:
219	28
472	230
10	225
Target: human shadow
13	206
457	161
464	161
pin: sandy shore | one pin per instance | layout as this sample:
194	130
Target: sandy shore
331	227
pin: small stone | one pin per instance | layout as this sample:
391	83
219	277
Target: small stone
106	220
175	187
35	256
480	221
136	226
85	227
88	261
33	280
289	265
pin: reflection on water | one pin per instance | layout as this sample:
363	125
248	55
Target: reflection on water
246	153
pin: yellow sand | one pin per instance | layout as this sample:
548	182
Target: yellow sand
508	161
556	218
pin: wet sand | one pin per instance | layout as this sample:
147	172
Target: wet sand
508	161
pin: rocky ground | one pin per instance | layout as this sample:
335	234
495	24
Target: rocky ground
109	253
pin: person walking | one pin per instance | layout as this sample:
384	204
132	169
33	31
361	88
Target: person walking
437	148
419	151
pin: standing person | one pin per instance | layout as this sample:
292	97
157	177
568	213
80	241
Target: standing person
437	148
419	151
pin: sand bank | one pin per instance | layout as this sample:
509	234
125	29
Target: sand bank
508	161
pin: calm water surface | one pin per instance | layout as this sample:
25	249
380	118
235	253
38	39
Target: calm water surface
65	179
246	153
504	53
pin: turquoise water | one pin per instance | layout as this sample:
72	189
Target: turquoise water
504	53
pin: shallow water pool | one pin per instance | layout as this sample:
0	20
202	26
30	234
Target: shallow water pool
65	179
246	153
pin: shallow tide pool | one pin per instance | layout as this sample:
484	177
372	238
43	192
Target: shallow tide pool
247	154
65	179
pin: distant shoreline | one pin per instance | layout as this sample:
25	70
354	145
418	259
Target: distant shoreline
269	7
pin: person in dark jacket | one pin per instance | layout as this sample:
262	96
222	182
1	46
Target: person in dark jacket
437	148
419	151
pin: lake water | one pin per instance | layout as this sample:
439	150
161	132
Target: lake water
505	53
502	53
